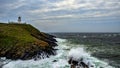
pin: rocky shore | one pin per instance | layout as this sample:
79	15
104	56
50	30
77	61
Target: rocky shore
23	41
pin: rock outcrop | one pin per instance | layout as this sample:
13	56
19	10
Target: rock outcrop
23	41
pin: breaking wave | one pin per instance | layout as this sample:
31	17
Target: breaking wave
65	50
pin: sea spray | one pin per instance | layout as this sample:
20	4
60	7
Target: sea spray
61	59
44	63
78	53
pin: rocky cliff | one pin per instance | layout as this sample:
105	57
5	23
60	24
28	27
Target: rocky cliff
23	41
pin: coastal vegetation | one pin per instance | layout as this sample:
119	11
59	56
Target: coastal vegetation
23	41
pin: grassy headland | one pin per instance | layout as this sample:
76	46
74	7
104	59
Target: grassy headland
23	41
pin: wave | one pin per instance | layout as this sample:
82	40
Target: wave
65	50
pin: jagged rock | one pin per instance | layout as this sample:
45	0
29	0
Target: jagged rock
23	41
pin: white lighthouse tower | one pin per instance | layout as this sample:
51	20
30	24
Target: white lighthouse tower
19	19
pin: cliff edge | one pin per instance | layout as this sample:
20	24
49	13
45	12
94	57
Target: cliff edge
23	41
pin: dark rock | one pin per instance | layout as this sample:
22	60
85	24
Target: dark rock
54	61
41	45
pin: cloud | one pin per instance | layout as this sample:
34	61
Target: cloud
16	5
60	9
86	8
79	4
13	4
55	13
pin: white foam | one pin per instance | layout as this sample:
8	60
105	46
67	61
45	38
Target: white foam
60	40
60	64
61	58
78	53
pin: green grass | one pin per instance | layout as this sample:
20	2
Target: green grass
17	31
20	38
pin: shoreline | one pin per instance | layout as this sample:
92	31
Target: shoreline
23	41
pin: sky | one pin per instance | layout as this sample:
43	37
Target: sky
64	15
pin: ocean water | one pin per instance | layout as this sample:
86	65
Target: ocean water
65	50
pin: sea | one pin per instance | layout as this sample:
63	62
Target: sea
101	50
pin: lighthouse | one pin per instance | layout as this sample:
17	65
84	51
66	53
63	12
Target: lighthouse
19	19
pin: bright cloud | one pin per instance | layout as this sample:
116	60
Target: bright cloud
56	12
95	7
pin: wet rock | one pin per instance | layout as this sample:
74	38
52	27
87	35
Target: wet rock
26	45
54	61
